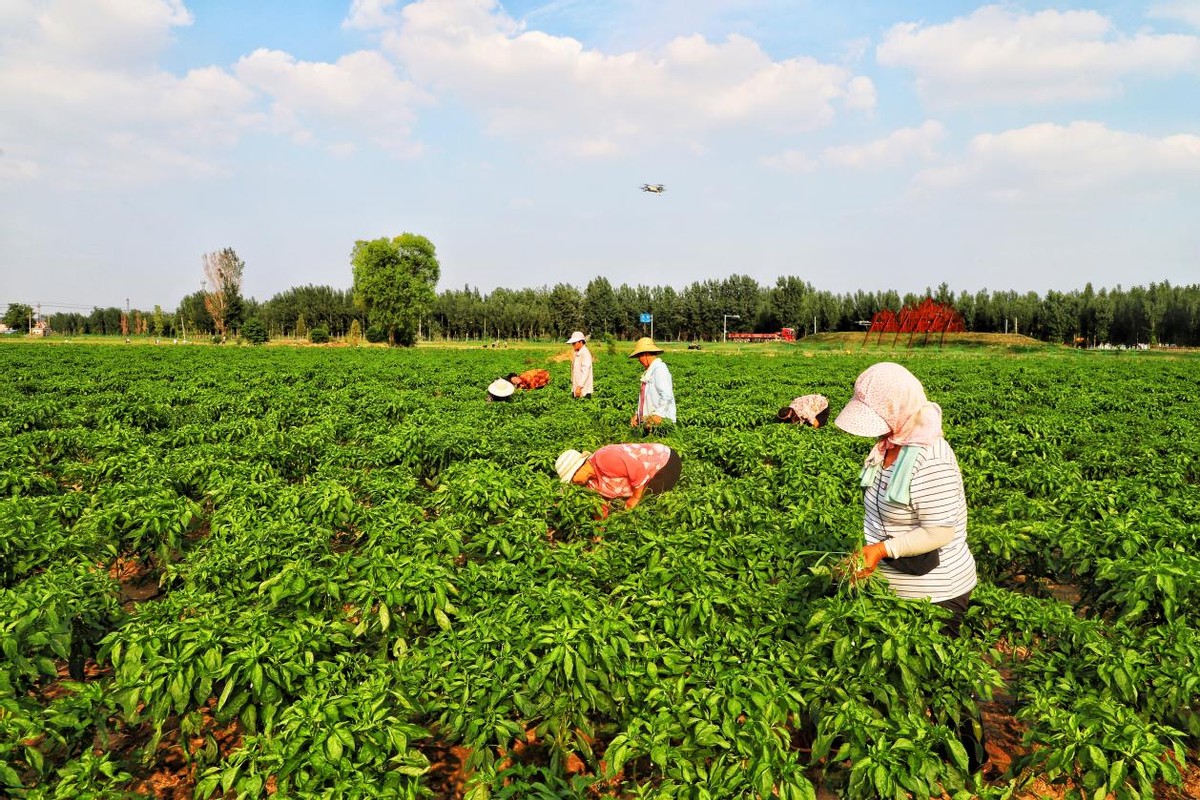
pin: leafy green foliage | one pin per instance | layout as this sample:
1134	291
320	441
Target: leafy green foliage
394	282
358	565
254	331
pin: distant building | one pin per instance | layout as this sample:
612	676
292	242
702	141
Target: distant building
40	328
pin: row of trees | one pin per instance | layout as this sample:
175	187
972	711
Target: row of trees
1158	313
394	299
394	291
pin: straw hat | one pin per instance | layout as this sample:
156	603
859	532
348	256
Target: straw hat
645	345
577	336
569	463
500	389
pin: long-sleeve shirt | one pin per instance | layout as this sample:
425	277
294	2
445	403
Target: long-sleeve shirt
619	469
657	398
581	372
937	501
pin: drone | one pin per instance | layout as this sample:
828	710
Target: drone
653	188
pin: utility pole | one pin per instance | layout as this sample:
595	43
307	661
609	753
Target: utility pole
725	325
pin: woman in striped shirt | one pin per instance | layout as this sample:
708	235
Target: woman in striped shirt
915	523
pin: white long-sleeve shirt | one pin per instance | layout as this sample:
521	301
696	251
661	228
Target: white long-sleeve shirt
581	372
657	397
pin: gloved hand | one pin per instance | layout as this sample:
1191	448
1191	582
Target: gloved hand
871	555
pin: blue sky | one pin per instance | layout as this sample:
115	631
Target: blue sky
866	145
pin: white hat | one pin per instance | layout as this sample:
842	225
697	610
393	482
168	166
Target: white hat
569	463
500	388
577	336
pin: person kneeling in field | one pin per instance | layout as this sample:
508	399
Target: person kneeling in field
811	409
499	390
615	471
530	379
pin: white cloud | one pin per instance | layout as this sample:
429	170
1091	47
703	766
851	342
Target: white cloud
17	170
370	14
1046	160
586	102
84	100
360	93
1186	11
895	149
112	33
1000	55
790	161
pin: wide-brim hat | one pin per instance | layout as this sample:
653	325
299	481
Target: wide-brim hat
500	388
858	418
645	346
577	336
568	463
871	387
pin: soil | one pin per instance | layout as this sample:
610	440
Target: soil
138	580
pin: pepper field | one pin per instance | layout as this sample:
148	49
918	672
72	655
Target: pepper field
335	572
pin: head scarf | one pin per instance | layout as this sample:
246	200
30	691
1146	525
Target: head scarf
895	394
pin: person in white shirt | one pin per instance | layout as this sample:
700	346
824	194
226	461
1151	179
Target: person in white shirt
656	401
581	366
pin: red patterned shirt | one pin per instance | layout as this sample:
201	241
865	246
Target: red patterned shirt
534	378
622	468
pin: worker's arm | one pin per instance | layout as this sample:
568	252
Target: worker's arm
635	498
912	543
918	541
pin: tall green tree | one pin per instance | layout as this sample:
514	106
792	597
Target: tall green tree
17	315
600	308
192	315
566	309
787	299
395	282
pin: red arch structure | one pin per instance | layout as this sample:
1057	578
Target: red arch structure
928	317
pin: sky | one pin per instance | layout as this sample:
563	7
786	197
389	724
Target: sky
860	146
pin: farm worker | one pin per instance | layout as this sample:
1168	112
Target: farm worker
530	379
915	523
499	389
656	402
628	471
811	409
581	366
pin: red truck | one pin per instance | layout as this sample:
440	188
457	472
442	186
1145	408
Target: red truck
785	335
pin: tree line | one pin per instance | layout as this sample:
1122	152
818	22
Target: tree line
1158	313
393	299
